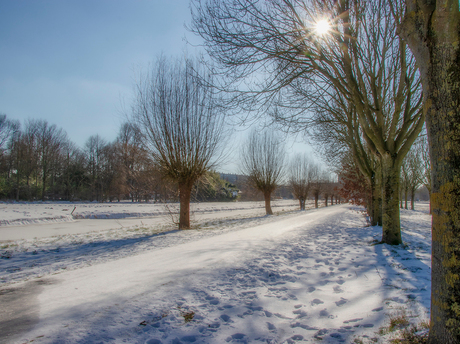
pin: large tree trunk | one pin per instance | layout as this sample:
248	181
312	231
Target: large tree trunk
390	201
185	192
412	199
432	30
376	190
268	208
302	203
443	122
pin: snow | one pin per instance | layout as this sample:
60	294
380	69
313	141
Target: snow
238	277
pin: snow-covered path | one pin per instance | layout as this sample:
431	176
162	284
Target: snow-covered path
298	277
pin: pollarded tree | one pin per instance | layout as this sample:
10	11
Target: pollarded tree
182	123
262	160
319	180
362	59
300	177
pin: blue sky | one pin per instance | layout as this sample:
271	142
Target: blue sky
74	63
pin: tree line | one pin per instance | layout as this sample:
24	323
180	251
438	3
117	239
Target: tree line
364	90
39	162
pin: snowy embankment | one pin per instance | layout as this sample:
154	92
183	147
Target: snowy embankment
296	277
25	213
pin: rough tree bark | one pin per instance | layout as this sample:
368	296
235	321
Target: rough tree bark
432	31
376	195
390	201
185	192
268	208
262	160
183	127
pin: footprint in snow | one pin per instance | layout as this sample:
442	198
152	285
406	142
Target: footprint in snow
271	327
311	289
341	302
337	289
153	341
324	282
295	338
316	302
214	325
213	300
225	317
189	339
300	313
324	313
236	336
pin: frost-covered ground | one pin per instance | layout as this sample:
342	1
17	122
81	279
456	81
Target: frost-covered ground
25	213
246	278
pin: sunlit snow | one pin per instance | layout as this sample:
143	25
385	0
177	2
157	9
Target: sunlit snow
237	277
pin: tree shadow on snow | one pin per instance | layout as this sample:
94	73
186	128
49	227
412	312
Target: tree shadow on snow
328	282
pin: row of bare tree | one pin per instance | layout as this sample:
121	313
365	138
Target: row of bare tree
359	89
39	161
263	160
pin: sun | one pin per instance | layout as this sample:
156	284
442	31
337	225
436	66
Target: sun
322	27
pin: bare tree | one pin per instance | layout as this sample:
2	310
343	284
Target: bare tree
182	123
415	169
49	140
423	150
362	60
6	130
94	148
328	189
74	175
300	177
318	183
262	159
136	169
27	158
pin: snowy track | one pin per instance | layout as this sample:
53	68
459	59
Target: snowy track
297	277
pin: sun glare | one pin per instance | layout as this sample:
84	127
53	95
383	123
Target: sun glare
322	27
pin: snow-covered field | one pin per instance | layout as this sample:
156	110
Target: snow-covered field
237	277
